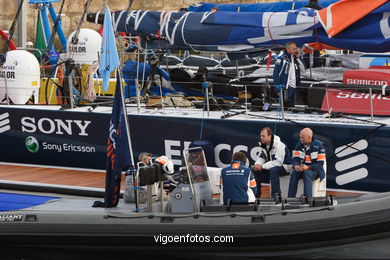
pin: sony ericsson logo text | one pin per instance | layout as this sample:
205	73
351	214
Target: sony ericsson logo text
33	146
359	95
4	122
351	156
55	126
367	82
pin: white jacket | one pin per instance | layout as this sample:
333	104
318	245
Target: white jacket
276	155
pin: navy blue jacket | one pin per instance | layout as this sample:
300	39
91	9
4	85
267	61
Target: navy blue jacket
282	68
314	156
237	181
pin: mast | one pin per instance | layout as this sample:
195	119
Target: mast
22	26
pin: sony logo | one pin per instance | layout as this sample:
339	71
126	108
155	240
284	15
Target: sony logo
58	126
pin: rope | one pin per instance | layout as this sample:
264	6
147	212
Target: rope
269	32
315	30
90	93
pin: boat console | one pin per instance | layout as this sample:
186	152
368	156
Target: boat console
188	197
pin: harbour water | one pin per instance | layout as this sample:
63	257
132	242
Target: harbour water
374	249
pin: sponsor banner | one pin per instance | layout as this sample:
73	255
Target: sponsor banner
352	102
376	77
53	138
356	155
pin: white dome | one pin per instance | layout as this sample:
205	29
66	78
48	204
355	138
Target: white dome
22	72
87	49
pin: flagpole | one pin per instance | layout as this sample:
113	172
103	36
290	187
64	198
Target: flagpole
135	179
125	114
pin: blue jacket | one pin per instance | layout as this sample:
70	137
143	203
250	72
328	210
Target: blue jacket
282	68
314	156
237	181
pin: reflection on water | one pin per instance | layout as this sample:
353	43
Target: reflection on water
374	249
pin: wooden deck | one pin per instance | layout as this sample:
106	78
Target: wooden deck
53	176
78	177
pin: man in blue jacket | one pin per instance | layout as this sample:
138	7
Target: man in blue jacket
237	181
308	163
287	72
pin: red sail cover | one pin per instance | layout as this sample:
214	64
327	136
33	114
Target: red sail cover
338	16
353	102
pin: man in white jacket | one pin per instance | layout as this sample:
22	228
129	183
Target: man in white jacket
274	159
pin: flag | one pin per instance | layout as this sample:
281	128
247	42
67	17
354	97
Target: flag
109	58
343	14
118	153
40	38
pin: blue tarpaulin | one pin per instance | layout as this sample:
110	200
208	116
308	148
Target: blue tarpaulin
259	7
251	31
12	201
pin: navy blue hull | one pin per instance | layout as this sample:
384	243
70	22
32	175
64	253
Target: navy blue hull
78	139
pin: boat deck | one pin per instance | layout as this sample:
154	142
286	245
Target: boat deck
80	178
57	176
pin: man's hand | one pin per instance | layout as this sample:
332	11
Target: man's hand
257	167
298	168
305	167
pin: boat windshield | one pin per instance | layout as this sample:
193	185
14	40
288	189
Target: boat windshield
196	165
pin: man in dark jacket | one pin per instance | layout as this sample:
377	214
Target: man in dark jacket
308	163
287	72
237	181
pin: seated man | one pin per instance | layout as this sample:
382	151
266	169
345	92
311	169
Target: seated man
274	159
145	158
237	181
308	163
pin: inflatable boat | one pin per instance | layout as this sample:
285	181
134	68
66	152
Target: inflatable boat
262	227
191	219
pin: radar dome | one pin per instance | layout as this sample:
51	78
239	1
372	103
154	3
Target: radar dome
20	77
87	48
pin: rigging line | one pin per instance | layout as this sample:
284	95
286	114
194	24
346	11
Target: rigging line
315	28
128	13
11	33
278	112
75	37
269	32
55	29
129	6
